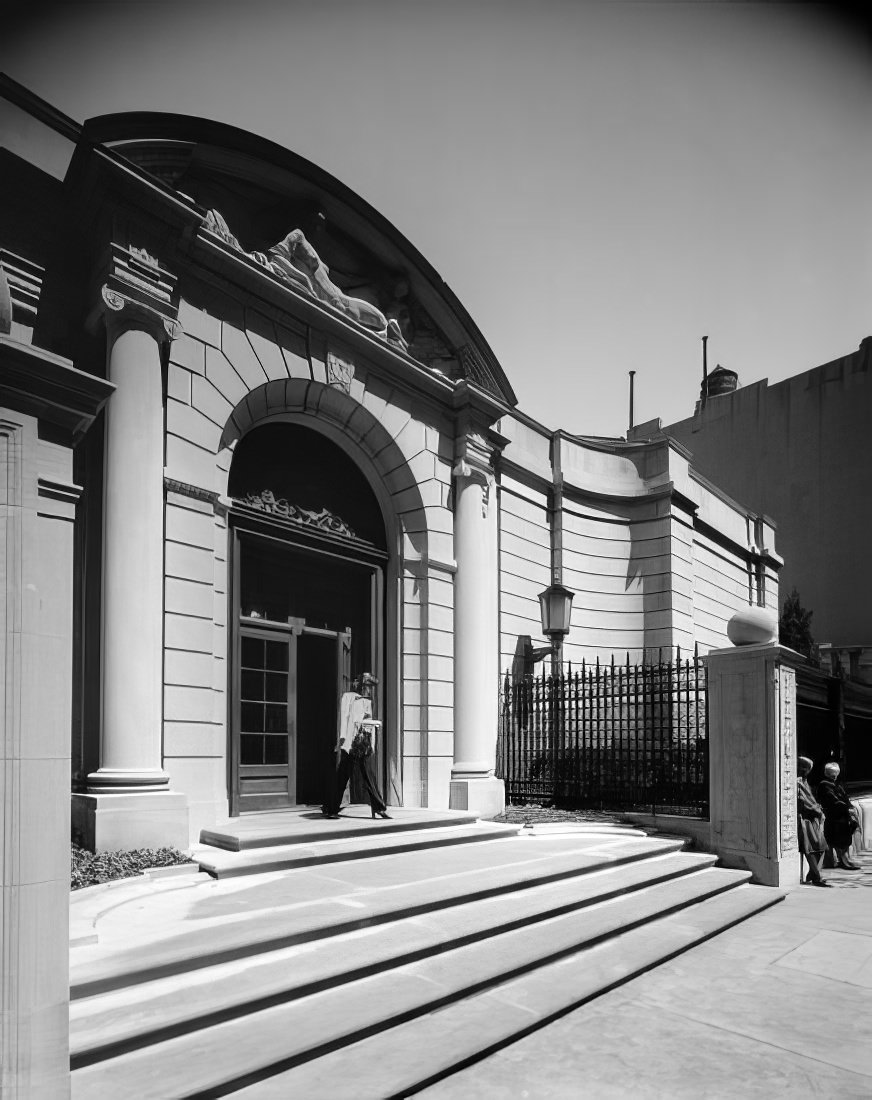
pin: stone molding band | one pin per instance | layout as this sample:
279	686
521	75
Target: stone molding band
195	492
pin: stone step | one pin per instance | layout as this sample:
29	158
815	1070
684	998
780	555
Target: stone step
226	863
309	826
401	1061
237	1052
409	884
106	1025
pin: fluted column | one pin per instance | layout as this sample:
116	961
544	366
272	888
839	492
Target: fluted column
476	637
139	316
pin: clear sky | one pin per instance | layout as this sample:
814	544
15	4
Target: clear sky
601	183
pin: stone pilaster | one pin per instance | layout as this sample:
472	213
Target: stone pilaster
139	316
476	638
45	405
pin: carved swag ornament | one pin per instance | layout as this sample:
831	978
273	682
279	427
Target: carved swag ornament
266	501
295	262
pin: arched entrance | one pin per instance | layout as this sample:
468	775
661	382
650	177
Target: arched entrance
308	558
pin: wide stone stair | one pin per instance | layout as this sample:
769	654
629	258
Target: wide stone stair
376	961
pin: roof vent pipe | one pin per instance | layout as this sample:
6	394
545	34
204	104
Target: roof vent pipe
704	390
632	378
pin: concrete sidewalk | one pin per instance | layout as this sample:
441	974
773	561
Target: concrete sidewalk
780	1005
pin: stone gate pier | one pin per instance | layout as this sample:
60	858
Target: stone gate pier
752	760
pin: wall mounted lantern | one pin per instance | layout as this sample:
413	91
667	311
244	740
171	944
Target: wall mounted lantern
555	605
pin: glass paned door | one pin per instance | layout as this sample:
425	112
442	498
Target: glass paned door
266	719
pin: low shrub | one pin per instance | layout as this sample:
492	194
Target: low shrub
90	869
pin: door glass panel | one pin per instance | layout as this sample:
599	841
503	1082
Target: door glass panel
276	718
250	749
252	652
275	687
252	718
275	750
263	702
252	685
276	656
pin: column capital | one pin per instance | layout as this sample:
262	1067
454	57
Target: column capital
138	292
473	454
473	461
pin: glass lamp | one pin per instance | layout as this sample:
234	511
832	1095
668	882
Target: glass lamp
555	605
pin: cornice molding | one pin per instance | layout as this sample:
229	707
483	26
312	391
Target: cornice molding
49	387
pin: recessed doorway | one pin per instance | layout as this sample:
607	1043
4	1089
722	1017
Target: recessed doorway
308	557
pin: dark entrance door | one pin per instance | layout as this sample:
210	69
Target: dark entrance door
307	620
323	664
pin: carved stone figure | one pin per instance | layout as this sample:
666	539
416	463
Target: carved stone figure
295	253
295	261
216	224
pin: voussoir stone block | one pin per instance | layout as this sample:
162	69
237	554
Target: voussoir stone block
189	353
236	346
263	339
211	402
199	324
224	378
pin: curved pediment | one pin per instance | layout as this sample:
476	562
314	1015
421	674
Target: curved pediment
264	193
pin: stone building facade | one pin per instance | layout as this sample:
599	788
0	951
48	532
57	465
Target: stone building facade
311	465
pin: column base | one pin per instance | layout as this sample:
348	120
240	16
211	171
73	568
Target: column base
128	779
484	796
122	821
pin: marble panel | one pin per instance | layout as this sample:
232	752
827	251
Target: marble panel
43	812
188	562
183	703
440	694
440	742
203	779
188	633
441	717
188	598
438	781
190	669
189	739
412	742
189	463
45	694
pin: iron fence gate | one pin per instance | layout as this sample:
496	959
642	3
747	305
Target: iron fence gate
608	736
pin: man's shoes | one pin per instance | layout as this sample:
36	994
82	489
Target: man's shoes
846	866
820	882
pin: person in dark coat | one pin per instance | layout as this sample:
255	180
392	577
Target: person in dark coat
840	817
809	824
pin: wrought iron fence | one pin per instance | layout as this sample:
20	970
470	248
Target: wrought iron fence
610	736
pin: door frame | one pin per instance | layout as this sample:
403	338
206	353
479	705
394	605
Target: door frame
376	562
